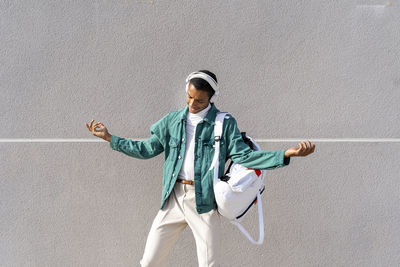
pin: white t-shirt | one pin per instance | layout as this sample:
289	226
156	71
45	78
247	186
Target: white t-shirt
187	170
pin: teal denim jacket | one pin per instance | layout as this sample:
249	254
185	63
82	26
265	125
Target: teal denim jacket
169	135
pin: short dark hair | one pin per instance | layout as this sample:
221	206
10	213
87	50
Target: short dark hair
203	85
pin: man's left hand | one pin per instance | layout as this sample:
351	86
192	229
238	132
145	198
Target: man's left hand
305	148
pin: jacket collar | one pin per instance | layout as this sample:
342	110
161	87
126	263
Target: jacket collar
183	113
209	118
212	113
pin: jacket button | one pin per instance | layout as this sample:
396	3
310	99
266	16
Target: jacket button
173	175
179	157
183	139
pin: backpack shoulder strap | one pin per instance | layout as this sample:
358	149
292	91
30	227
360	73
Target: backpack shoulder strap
219	122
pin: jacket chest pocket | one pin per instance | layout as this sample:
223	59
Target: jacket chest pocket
222	148
173	148
209	150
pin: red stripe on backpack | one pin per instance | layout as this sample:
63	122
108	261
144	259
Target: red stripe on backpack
258	172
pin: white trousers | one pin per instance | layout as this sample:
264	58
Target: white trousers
178	212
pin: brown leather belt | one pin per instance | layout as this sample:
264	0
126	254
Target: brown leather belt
185	181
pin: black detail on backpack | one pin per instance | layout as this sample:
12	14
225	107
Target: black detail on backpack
248	142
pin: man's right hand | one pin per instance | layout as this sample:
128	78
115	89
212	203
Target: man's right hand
99	130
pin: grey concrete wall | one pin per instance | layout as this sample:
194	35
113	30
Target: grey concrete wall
287	69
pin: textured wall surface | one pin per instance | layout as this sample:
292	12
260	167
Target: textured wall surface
287	69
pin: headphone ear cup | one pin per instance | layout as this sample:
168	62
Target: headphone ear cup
187	87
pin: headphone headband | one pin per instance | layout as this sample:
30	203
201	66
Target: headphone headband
205	77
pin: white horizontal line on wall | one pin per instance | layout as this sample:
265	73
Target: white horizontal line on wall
50	140
332	140
283	140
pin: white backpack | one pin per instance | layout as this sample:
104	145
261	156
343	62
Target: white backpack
239	189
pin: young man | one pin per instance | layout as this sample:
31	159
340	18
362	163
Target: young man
187	138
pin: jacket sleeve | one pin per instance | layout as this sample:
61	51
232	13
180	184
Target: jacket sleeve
145	149
242	154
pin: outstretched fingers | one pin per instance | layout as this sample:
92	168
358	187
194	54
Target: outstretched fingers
90	126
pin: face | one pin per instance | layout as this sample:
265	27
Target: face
197	100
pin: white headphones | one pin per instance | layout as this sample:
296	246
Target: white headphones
205	77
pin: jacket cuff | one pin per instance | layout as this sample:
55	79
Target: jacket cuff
114	142
285	161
